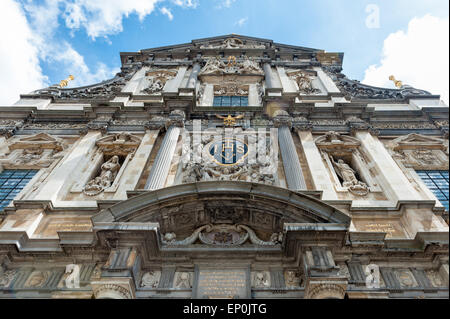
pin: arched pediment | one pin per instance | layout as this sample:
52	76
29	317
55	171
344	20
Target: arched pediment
185	207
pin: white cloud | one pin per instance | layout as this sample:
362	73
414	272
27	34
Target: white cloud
186	3
225	3
104	17
167	12
418	57
19	57
241	22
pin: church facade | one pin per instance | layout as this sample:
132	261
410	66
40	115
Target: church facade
227	167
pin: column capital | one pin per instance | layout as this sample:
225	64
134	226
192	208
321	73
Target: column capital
282	118
176	118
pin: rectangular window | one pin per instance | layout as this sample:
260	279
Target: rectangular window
226	100
437	182
12	181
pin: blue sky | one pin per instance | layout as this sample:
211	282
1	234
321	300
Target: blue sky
76	36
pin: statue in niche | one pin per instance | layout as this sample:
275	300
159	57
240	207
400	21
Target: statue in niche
349	180
108	173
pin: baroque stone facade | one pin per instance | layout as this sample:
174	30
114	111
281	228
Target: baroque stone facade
305	185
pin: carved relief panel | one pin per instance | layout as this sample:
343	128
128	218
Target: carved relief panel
346	164
156	79
420	152
230	154
33	152
305	81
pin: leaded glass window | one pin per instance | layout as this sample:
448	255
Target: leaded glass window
227	100
12	181
437	182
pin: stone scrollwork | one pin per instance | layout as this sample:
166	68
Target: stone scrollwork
355	89
103	91
222	235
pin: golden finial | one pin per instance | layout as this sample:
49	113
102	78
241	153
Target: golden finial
397	83
64	83
229	120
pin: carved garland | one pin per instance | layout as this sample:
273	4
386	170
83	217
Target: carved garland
222	235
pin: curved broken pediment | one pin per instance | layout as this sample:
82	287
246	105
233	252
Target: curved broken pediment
184	208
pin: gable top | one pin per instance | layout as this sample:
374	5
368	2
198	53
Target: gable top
228	43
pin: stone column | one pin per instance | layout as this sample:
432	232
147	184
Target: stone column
161	166
291	163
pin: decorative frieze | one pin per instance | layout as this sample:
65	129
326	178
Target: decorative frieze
219	66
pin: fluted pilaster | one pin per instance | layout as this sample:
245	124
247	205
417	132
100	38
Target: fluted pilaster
291	163
161	166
